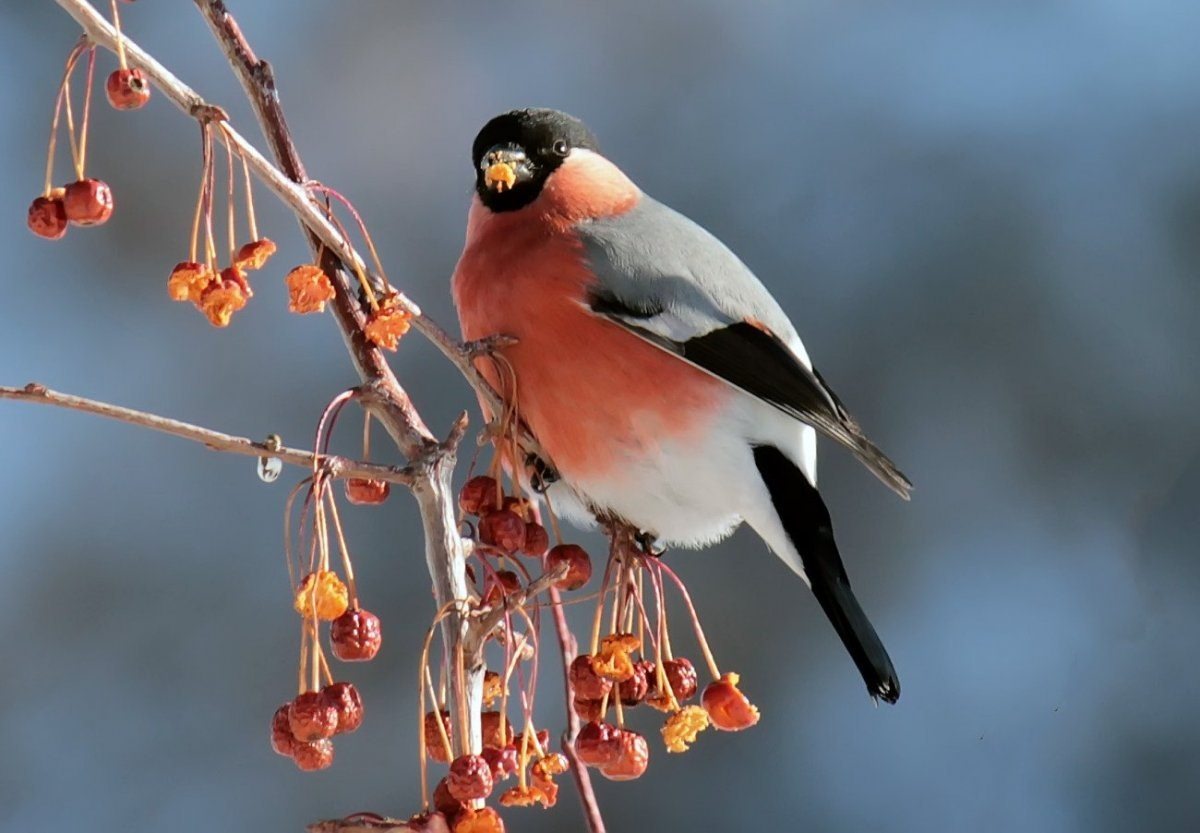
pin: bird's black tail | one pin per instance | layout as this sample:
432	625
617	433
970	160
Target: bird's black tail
807	523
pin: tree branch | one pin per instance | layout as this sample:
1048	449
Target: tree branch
339	466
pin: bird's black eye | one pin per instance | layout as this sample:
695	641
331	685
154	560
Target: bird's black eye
561	148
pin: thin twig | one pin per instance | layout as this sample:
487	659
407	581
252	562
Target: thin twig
217	441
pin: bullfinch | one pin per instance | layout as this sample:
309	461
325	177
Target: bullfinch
667	386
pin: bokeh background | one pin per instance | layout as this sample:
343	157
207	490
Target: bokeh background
983	216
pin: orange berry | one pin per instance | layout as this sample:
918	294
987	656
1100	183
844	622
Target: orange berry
362	491
728	709
255	254
321	593
225	296
189	280
387	324
483	820
435	749
309	288
493	738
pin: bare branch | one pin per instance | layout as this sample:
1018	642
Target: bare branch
337	465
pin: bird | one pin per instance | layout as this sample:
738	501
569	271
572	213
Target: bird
664	382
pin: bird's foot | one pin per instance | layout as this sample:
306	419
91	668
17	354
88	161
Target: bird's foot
488	345
649	544
541	475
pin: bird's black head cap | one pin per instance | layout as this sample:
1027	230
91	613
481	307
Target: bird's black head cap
515	152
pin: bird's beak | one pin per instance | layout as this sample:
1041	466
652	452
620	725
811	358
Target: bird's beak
503	167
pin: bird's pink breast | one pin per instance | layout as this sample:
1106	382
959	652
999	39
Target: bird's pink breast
594	394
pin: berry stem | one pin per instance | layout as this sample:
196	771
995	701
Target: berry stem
345	551
120	37
230	206
87	111
355	265
708	657
249	197
71	128
362	227
288	551
72	58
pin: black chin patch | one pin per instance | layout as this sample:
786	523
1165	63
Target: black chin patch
546	137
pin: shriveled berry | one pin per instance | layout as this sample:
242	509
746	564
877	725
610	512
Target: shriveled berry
503	530
444	802
587	709
596	745
127	89
255	254
631	758
225	296
493	687
499	584
313	755
634	690
321	593
349	705
537	540
492	735
88	202
681	675
435	747
48	217
503	762
586	684
312	717
519	506
367	492
549	765
470	777
579	565
282	739
478	494
356	635
188	281
309	288
728	709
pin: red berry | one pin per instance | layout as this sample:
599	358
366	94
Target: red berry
312	717
355	636
588	710
586	684
282	739
503	530
88	202
499	584
445	803
503	762
634	690
595	744
317	754
681	675
435	749
478	494
470	777
48	217
127	89
579	565
631	758
363	492
345	698
492	736
537	540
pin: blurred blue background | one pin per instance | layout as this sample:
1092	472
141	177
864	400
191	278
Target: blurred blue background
983	216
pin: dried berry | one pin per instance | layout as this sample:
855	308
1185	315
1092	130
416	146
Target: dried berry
127	89
255	254
478	493
189	280
322	593
631	758
388	323
483	820
356	635
579	565
88	202
613	660
362	491
588	709
596	745
344	697
504	762
681	675
309	288
493	687
312	717
48	217
681	728
586	684
727	707
519	506
443	802
493	736
537	540
470	778
549	765
503	530
282	739
634	690
225	296
435	747
500	584
313	755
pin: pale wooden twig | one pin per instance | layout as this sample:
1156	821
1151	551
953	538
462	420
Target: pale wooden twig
336	465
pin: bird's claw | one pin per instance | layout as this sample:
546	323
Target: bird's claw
488	345
541	475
